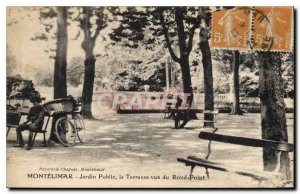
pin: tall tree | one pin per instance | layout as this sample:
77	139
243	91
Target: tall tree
176	24
49	18
91	21
185	43
235	84
60	65
207	66
273	117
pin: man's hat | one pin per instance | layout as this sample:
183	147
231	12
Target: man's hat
35	98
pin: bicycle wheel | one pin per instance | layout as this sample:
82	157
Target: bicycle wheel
65	131
79	124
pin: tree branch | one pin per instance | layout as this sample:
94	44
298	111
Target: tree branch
180	31
191	36
85	26
97	31
84	23
165	31
100	23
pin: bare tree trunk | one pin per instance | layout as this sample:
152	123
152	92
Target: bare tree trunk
60	66
236	110
185	49
186	75
273	119
208	82
187	83
88	83
88	45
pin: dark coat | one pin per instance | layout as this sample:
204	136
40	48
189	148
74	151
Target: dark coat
36	115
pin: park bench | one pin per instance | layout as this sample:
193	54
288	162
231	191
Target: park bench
13	121
167	111
193	161
182	116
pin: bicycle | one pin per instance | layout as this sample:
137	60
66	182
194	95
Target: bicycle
70	126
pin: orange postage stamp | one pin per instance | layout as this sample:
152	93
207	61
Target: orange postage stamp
273	28
230	29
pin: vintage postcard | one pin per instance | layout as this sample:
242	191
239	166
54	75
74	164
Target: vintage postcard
150	97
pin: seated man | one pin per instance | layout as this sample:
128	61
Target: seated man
177	105
35	121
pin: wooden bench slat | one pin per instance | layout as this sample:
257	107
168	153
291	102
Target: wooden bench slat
218	166
202	160
214	112
282	146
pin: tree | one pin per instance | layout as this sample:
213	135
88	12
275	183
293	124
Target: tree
273	117
207	66
60	64
235	84
177	26
185	42
183	17
91	21
47	19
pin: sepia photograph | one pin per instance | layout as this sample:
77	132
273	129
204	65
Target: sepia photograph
150	97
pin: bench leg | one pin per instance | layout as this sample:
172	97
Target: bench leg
33	138
192	169
177	123
207	173
184	123
7	132
45	143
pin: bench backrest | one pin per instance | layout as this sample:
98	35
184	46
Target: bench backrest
277	145
60	105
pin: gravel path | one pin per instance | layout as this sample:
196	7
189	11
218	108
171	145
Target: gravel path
136	146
